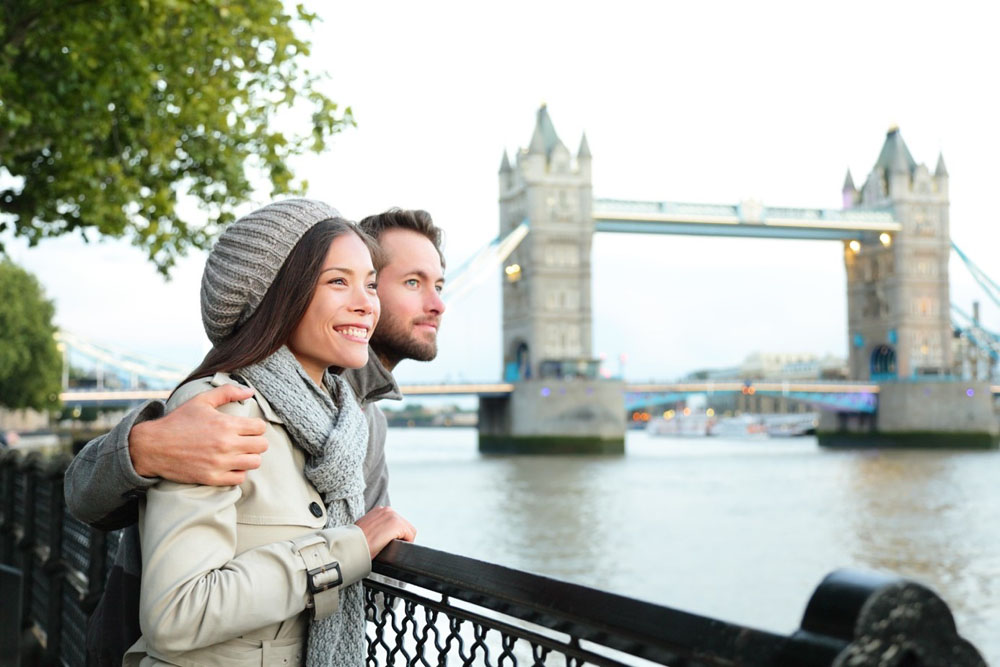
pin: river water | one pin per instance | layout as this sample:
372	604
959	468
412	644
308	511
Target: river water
742	530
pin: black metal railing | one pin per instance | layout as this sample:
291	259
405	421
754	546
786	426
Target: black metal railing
428	608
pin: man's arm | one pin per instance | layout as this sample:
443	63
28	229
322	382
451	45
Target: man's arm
100	484
194	444
375	469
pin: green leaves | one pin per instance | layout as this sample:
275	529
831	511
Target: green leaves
113	112
30	363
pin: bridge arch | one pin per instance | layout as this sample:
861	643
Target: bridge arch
518	361
883	362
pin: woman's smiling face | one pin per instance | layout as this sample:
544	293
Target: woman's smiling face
342	313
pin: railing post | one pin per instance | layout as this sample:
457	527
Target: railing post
10	616
24	529
11	575
8	472
47	603
885	620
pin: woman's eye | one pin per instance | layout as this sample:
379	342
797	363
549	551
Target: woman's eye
373	286
337	281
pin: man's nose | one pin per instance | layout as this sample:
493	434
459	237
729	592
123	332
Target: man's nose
434	302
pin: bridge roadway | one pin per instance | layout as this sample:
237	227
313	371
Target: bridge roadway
127	396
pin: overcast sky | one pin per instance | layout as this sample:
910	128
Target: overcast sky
702	102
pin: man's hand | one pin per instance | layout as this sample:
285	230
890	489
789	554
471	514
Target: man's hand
383	525
197	444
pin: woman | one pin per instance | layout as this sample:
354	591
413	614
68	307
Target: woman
247	574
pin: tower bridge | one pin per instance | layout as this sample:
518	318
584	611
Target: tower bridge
896	244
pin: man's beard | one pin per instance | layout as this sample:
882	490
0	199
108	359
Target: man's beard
392	342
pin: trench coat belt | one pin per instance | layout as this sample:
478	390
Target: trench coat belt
281	653
233	653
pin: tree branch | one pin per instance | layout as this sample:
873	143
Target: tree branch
19	33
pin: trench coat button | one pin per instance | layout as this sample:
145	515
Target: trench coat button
316	510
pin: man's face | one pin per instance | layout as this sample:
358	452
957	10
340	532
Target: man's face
409	287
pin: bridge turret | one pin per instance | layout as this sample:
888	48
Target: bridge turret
941	176
583	157
506	174
897	163
849	192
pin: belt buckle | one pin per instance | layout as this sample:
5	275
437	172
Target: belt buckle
317	583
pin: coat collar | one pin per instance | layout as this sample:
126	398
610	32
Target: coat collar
372	382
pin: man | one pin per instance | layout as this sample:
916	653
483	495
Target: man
198	444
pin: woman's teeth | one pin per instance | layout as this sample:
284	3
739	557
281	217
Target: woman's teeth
354	332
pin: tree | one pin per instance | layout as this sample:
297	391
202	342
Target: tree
114	113
30	363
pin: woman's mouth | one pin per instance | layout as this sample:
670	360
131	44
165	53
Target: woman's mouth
356	334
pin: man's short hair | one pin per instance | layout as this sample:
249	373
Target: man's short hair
397	218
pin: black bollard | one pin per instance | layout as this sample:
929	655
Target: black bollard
885	621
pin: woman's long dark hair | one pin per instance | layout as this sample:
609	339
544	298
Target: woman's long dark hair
285	302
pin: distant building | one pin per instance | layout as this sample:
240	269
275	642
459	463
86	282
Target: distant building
778	366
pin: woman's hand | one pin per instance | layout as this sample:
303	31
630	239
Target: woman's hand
383	525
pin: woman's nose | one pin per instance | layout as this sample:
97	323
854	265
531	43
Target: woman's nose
363	302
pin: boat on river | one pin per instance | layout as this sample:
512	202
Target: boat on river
689	426
740	426
789	426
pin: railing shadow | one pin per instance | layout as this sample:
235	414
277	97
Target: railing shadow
429	608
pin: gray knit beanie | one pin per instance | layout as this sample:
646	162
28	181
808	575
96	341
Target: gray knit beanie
247	257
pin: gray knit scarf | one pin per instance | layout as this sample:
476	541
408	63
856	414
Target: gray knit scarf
328	424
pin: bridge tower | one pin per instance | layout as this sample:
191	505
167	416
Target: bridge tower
546	290
558	403
899	319
899	316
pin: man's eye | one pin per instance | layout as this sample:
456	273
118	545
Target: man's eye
412	282
373	286
439	288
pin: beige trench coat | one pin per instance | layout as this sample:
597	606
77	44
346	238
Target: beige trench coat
224	568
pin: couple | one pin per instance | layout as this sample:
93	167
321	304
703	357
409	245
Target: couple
261	496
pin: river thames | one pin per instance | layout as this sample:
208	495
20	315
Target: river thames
742	530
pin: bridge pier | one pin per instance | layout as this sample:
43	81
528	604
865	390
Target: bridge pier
924	414
555	416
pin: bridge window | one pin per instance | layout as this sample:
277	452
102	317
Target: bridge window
571	342
886	264
926	266
924	223
565	299
562	255
925	307
553	341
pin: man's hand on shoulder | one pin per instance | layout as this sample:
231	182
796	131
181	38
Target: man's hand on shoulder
197	444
